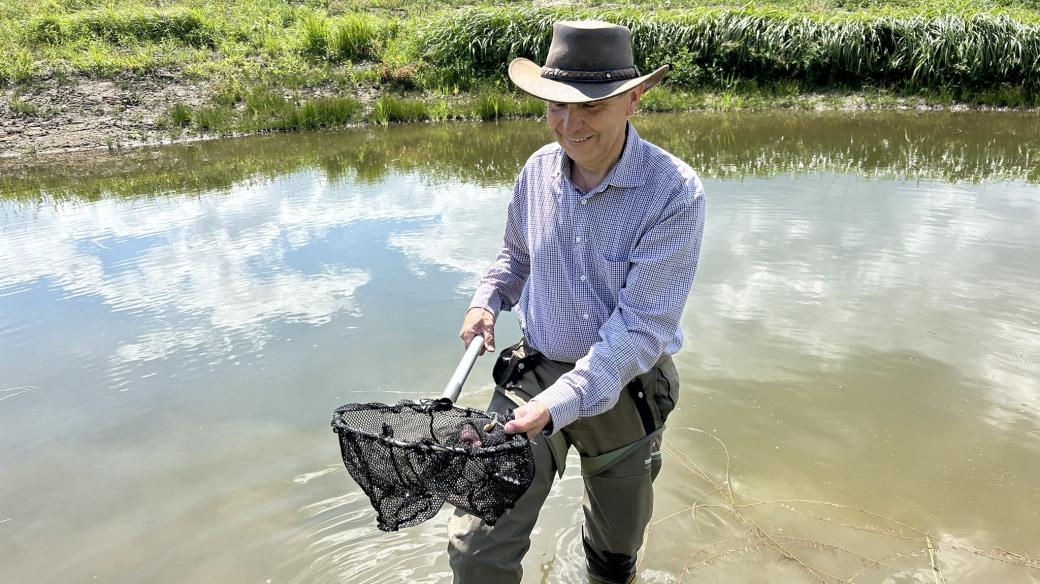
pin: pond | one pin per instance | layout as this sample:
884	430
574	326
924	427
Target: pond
861	375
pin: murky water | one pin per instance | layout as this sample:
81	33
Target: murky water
861	392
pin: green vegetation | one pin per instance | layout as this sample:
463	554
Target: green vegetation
707	46
23	108
110	25
292	64
350	37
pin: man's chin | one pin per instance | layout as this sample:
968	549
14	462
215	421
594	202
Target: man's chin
575	154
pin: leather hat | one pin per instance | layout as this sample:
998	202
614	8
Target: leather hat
588	60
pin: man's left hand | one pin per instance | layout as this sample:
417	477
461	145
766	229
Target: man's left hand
530	418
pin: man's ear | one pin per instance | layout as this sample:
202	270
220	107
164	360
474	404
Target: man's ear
633	99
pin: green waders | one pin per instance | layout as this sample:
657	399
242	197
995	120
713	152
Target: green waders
620	458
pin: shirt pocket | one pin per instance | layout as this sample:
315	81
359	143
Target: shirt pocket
614	271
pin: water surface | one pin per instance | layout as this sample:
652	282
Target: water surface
178	323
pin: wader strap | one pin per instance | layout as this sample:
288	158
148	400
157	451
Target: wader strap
593	465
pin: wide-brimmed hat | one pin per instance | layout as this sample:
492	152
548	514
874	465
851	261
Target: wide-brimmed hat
588	60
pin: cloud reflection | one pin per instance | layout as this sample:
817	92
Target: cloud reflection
466	235
197	269
824	268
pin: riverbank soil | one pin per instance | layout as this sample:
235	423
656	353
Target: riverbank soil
60	114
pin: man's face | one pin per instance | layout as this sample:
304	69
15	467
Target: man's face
592	134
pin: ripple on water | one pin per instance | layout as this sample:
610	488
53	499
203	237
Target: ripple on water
343	544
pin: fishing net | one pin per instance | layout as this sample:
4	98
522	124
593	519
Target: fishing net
412	457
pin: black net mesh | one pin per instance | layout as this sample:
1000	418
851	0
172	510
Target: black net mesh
412	457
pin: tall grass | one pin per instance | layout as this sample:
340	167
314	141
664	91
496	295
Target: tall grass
19	67
316	31
267	111
767	53
121	27
327	112
354	38
706	45
180	115
394	109
493	105
350	37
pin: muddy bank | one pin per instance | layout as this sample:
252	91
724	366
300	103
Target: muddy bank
80	113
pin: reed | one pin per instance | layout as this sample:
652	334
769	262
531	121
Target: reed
705	45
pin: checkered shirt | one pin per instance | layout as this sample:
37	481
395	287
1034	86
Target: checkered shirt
598	278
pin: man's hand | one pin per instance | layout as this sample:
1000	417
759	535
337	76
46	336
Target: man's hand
531	418
479	322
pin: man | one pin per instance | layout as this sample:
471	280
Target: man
600	248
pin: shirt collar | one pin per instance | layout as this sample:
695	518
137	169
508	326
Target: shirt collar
627	173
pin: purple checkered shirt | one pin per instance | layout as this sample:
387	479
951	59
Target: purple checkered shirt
598	278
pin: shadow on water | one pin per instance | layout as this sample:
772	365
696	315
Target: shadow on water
966	146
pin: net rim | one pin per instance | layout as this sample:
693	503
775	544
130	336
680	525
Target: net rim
424	406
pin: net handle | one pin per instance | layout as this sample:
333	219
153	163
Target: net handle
454	386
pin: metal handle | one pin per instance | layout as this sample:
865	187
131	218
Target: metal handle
454	387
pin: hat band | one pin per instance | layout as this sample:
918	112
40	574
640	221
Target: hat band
590	76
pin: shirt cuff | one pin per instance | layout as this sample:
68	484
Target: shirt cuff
487	297
562	402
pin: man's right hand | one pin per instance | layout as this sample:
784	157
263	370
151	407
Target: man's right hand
479	321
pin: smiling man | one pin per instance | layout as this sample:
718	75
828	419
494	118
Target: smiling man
600	248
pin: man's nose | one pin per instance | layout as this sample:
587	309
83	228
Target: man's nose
572	119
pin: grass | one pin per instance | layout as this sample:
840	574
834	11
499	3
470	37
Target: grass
267	111
394	109
23	108
123	26
180	115
819	42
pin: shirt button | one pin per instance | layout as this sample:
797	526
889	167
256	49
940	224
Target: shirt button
585	316
520	366
582	278
584	201
577	240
